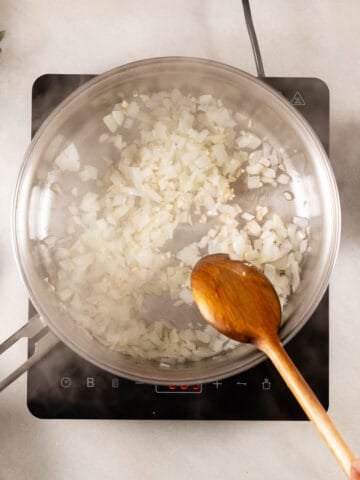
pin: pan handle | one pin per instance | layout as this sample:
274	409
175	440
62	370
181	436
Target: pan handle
44	341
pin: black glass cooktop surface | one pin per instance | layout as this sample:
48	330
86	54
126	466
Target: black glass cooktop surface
63	385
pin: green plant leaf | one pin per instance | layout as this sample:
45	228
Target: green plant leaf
2	34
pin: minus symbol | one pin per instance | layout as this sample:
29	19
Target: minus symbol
241	383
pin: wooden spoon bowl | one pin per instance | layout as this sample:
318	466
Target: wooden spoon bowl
229	293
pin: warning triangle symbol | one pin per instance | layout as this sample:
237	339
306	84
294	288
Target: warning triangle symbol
298	100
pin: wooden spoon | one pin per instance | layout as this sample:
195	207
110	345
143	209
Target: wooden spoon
240	302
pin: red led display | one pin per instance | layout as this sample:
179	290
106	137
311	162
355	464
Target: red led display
178	388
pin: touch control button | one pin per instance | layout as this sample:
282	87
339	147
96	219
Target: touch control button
217	384
115	382
90	382
65	382
266	384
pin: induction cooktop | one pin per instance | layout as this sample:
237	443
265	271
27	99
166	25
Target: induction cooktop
65	386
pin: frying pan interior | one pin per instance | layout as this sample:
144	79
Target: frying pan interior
40	209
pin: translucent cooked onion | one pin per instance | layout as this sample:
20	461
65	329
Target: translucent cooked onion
176	175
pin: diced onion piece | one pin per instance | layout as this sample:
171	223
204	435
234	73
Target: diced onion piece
302	222
254	169
205	99
65	295
247	216
89	172
248	140
89	202
253	181
261	212
68	159
133	109
186	296
283	179
189	254
253	228
110	122
269	173
119	117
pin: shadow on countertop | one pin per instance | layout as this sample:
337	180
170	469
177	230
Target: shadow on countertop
345	159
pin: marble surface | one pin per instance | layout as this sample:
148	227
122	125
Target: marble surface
318	38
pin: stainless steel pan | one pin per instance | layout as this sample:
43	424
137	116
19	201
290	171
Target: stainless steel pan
77	119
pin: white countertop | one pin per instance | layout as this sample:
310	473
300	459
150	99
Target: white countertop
317	38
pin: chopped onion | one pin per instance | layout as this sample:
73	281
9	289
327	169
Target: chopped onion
111	123
68	159
89	172
176	172
247	216
253	228
253	182
118	116
283	179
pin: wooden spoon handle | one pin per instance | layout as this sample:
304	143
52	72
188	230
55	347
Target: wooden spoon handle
309	402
